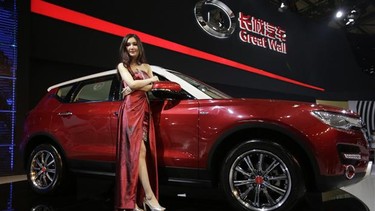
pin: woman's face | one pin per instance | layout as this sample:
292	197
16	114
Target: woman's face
132	47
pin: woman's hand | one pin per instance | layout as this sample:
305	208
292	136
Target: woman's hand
154	78
125	91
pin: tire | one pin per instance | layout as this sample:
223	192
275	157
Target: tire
259	175
45	169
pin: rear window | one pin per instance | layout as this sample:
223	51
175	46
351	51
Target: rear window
94	91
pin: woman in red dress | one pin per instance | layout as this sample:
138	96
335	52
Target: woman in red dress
136	148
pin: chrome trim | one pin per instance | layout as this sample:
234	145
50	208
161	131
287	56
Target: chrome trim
349	171
352	156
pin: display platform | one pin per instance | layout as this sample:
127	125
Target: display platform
97	194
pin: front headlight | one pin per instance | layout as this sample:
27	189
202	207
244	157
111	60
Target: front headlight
338	120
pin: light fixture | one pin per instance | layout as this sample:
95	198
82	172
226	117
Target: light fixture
339	14
283	6
350	21
347	16
351	17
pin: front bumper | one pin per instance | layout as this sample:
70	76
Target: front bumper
326	183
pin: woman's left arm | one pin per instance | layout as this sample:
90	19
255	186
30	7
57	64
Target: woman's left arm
148	70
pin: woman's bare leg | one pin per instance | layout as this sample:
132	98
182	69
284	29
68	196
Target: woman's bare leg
143	177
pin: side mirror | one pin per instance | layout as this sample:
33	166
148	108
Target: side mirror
166	89
166	86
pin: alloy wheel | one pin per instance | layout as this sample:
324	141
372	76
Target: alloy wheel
43	169
260	180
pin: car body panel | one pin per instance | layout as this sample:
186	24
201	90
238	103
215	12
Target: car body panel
177	133
283	114
85	129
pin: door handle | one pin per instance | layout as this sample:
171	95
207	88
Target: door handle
67	113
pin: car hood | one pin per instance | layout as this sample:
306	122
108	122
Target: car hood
278	106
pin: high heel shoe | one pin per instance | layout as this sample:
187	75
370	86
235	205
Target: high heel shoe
137	209
147	204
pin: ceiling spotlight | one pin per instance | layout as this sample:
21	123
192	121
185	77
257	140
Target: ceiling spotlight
353	14
347	16
351	17
339	14
283	6
350	21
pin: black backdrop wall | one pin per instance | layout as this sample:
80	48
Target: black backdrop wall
316	55
61	40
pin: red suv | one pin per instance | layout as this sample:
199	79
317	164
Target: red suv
262	153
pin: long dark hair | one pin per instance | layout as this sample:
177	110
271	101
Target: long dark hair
124	55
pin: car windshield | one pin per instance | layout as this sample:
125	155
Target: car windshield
205	88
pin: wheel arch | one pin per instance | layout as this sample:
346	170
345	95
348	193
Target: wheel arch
295	143
38	139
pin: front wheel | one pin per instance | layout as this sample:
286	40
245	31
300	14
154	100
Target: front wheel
259	175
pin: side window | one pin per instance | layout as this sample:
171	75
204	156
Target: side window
63	92
94	90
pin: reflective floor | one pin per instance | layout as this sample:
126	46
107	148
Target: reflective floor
96	194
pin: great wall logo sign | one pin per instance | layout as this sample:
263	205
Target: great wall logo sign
215	18
219	21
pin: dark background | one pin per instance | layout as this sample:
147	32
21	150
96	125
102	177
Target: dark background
317	54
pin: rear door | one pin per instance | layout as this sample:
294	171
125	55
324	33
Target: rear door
83	125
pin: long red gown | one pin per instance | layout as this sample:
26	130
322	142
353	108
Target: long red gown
134	126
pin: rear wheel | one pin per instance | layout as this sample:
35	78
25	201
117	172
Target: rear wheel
260	175
45	169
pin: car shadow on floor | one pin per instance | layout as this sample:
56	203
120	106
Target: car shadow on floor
97	194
